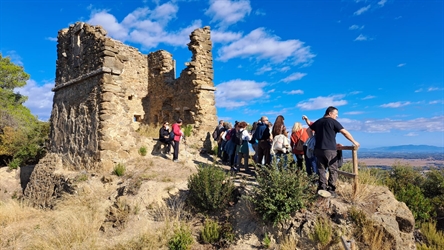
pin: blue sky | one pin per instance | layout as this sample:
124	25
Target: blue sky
379	62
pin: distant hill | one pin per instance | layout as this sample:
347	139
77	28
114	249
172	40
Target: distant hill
405	149
402	152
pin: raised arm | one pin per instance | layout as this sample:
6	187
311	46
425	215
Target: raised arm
349	137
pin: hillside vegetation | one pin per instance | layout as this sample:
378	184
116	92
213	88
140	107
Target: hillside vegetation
22	135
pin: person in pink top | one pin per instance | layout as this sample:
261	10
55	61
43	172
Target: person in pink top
177	135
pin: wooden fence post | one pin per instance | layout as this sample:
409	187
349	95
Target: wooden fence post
355	171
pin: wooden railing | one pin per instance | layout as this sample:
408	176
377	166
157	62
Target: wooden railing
353	175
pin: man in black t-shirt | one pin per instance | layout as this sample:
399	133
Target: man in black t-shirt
325	151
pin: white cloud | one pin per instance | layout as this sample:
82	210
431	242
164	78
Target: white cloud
433	124
52	39
354	113
293	77
260	13
437	102
271	91
228	12
39	98
145	26
356	27
322	102
369	97
433	89
395	104
263	69
361	37
382	2
418	90
401	65
355	92
284	69
110	23
260	45
14	57
218	36
362	10
412	134
294	92
238	93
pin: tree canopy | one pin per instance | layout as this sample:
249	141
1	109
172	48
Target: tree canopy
22	135
11	75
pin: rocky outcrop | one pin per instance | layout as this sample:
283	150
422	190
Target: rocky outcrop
47	183
389	218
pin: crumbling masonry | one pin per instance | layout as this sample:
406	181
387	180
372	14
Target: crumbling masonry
105	90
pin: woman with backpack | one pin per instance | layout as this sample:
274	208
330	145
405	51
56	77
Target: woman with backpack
298	137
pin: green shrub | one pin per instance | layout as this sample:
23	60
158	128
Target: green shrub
119	169
322	232
401	176
14	164
413	197
281	191
142	151
211	231
187	130
210	188
182	238
434	238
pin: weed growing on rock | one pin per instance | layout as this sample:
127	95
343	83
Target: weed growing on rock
322	233
266	242
367	232
142	151
119	169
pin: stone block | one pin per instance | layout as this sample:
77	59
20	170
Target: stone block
109	145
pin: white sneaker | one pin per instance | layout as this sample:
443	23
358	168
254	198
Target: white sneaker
175	160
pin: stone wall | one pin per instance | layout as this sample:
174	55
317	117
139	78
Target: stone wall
105	89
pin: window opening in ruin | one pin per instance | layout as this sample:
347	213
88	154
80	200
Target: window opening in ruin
130	97
137	118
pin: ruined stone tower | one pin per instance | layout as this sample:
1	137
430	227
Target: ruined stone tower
105	89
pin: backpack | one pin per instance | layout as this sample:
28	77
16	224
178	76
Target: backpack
238	138
280	144
215	134
172	135
299	145
310	143
228	134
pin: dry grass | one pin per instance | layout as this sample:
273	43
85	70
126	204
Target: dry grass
72	227
368	180
373	236
148	131
289	243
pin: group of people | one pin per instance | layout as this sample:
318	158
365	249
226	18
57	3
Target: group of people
271	141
